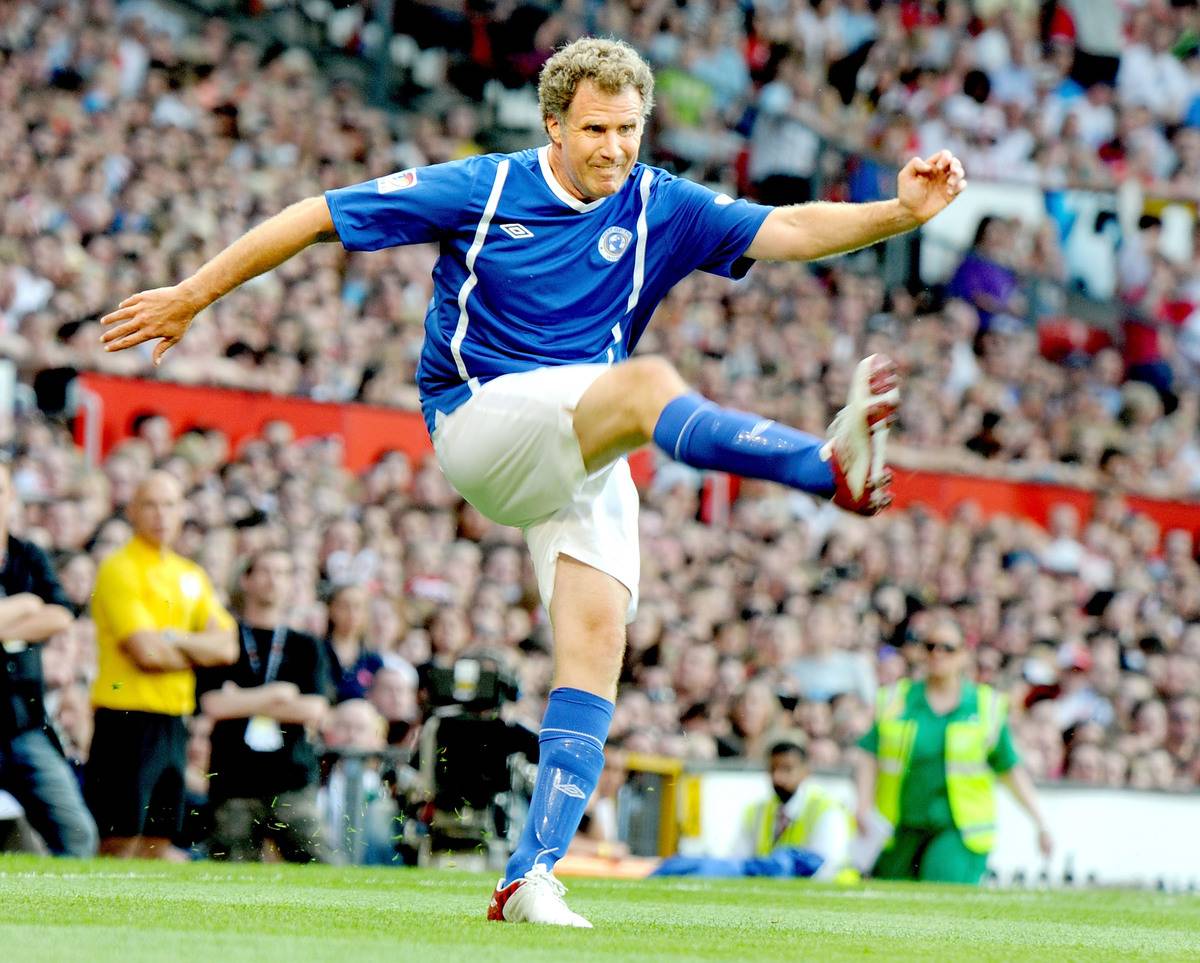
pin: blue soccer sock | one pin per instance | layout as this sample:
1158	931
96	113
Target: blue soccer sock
698	432
572	755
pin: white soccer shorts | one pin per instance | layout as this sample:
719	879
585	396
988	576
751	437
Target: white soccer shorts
511	451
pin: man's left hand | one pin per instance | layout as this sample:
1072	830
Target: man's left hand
926	187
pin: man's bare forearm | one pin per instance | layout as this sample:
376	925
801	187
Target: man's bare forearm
239	703
47	621
150	652
823	229
261	249
14	609
304	709
277	700
807	232
208	648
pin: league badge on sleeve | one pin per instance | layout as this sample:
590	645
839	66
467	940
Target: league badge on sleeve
398	181
613	242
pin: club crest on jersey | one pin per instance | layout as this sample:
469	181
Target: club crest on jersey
396	182
613	242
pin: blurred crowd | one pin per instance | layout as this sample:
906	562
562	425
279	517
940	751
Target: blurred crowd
134	149
790	617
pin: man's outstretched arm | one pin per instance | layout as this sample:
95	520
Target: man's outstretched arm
166	313
806	232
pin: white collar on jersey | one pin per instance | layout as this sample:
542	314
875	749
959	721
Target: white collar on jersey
559	191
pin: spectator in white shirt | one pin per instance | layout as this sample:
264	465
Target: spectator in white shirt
826	670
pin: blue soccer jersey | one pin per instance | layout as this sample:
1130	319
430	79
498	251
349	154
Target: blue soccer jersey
530	276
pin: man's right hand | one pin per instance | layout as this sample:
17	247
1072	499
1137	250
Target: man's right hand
164	313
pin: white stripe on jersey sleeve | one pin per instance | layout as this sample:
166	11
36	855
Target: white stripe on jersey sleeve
460	332
639	256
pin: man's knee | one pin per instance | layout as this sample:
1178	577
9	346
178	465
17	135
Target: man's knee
654	371
642	387
588	601
653	383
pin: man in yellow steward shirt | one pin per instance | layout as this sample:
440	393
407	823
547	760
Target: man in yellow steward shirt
156	618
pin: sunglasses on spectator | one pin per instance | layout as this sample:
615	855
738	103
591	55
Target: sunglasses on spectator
947	647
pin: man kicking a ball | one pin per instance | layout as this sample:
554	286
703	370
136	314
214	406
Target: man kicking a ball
552	263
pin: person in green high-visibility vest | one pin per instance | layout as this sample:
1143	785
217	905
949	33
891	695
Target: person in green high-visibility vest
930	765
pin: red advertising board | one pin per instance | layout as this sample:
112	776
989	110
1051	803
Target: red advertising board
367	432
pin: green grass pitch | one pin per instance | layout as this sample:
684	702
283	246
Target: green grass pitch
102	911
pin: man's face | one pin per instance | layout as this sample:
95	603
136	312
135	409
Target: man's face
270	582
787	772
355	725
944	652
156	511
595	144
393	695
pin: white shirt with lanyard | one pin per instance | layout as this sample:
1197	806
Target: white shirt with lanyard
262	732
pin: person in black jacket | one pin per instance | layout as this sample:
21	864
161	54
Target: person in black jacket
34	607
263	767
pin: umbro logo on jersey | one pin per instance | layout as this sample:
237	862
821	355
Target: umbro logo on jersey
396	182
517	231
613	242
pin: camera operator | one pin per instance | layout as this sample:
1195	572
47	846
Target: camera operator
467	745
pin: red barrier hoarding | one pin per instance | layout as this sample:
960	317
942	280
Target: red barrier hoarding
367	432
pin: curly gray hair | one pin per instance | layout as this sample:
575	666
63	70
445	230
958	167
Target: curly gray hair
611	65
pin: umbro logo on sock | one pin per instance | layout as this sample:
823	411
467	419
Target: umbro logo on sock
567	788
570	789
755	433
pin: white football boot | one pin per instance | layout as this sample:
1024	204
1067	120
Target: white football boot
856	449
535	898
